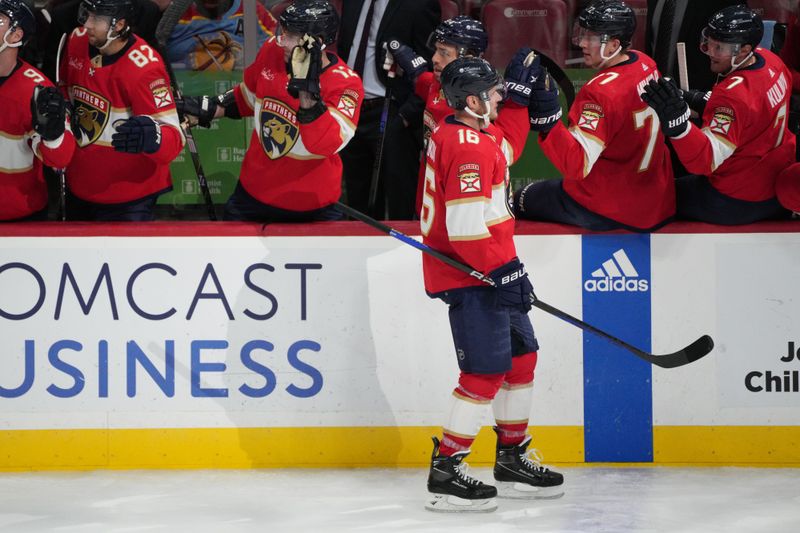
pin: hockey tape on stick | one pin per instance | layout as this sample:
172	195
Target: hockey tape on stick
683	71
699	348
169	19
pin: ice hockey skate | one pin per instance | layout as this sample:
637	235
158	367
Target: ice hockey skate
453	490
520	474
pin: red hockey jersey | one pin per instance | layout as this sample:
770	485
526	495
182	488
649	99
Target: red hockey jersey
745	141
22	152
290	165
613	157
512	120
466	210
107	90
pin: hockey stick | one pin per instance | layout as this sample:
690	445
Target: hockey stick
168	20
61	172
559	76
376	167
689	354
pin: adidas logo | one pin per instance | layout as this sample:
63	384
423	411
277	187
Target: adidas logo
617	274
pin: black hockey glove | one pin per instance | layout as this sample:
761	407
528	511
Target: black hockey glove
406	58
696	100
514	289
666	99
203	108
137	134
544	109
522	72
48	112
305	66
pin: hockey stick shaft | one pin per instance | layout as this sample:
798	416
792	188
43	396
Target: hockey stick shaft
376	167
60	172
162	35
694	351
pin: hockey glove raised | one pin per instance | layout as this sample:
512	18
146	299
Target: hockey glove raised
48	112
409	62
666	99
202	108
522	72
514	289
137	134
306	65
544	109
696	100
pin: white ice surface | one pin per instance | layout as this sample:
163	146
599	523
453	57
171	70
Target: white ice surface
597	499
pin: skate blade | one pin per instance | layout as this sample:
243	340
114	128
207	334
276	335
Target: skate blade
522	491
445	503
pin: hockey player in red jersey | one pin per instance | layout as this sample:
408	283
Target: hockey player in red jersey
463	36
123	116
306	102
744	141
614	162
466	215
33	124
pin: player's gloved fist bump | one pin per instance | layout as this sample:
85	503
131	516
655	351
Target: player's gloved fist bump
522	72
544	109
514	288
203	108
696	100
305	65
48	112
409	62
667	100
137	134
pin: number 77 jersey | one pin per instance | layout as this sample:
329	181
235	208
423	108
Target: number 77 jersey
613	156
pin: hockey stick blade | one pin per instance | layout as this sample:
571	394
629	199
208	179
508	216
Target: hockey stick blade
696	350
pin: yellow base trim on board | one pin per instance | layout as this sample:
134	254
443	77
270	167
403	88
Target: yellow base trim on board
87	449
727	444
336	447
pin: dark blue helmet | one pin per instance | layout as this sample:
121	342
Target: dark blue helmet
317	18
116	9
735	25
611	18
466	34
21	16
467	76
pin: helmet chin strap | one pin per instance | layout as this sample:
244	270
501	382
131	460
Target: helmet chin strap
603	55
7	44
735	65
483	120
109	37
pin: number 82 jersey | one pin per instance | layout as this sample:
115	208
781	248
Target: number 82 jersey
105	90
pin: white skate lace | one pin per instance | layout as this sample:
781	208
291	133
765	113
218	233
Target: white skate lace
533	459
462	470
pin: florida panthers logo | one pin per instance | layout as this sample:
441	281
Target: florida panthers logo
277	128
89	116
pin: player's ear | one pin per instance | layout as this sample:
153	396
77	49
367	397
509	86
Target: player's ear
120	26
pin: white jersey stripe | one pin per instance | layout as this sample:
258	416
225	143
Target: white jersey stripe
15	154
721	148
592	148
465	219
